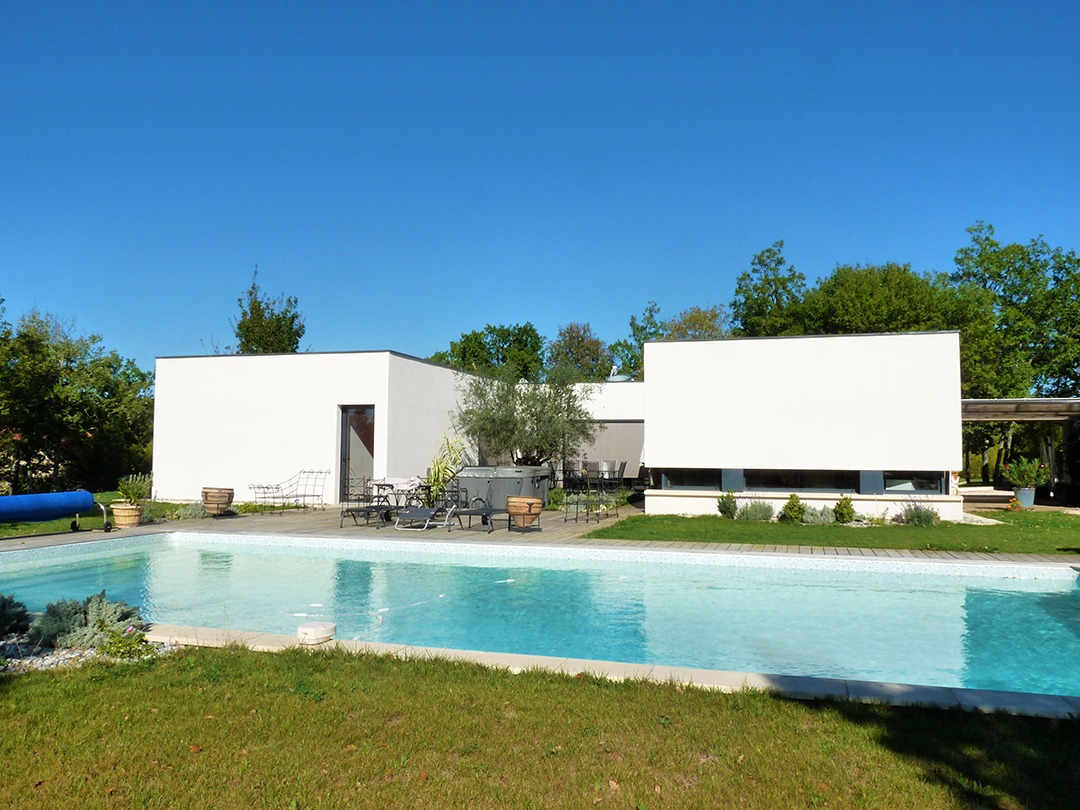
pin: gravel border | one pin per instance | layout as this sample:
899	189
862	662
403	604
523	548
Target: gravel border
18	656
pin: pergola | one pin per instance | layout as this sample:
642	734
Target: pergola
1030	409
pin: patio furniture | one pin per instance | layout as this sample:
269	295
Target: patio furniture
418	517
476	507
302	490
360	499
582	496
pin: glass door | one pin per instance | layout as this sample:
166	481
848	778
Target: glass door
357	444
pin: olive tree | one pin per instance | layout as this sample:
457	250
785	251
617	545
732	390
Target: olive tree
530	423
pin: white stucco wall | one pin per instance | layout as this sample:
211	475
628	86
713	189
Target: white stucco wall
420	401
621	401
231	421
850	402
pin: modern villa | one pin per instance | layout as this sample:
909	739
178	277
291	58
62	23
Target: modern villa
874	417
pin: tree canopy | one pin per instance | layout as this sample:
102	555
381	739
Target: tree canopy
580	350
1036	299
629	353
267	325
767	296
71	413
518	348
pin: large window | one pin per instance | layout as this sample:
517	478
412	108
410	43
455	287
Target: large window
831	480
908	481
866	482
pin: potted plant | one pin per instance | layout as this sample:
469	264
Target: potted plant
1025	474
444	466
134	490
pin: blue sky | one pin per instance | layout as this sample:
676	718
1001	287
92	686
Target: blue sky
413	170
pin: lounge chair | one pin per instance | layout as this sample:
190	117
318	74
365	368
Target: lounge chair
418	516
360	499
302	490
478	508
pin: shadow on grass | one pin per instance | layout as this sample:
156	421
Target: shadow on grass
984	760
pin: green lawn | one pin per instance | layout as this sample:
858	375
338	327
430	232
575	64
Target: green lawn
232	728
1028	532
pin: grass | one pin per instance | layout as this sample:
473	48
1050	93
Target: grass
155	511
233	728
1020	532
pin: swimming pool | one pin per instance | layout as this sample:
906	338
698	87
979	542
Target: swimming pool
983	626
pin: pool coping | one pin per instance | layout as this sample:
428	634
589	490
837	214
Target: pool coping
793	686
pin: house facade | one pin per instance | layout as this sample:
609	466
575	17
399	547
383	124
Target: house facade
874	417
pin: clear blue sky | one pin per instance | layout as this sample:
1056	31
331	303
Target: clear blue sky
413	170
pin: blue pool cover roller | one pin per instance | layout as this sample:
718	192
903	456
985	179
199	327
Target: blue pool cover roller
48	506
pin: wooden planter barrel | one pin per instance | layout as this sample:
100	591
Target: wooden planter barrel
524	512
126	515
217	500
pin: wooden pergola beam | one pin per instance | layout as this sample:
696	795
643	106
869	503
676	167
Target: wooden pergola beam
1032	409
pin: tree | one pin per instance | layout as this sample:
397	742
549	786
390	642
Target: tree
1036	292
529	423
267	325
71	413
629	353
519	347
695	323
767	295
579	349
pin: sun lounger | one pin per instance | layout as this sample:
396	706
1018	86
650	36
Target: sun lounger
418	516
478	508
360	499
302	490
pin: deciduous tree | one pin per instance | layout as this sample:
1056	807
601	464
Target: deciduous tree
697	323
579	349
519	347
71	413
767	295
629	353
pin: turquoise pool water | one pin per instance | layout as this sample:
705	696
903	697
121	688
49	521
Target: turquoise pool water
985	626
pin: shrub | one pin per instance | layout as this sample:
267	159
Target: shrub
13	616
917	515
131	643
71	623
793	510
556	498
59	619
192	511
755	510
844	511
818	516
726	505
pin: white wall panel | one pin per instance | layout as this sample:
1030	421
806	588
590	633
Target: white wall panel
841	402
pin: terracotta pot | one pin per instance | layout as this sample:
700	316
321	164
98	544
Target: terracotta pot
524	512
217	499
127	515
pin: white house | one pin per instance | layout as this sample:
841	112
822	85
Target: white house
876	417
